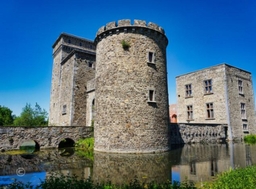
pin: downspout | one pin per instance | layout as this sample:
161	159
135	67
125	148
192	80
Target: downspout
230	136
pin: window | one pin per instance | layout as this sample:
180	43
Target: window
208	86
188	90
64	109
209	111
190	112
245	127
240	86
151	96
90	64
243	112
151	57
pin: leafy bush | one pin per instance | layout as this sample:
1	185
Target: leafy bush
250	139
240	178
84	148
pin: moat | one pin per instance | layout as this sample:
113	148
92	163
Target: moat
195	162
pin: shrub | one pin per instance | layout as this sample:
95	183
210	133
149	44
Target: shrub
250	139
84	148
239	178
125	45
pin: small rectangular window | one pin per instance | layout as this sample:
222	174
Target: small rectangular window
151	57
64	109
190	112
245	127
188	89
243	111
240	86
208	86
209	111
151	96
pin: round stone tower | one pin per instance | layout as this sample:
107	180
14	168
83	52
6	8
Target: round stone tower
131	88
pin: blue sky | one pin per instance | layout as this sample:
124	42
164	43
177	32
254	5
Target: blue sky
201	33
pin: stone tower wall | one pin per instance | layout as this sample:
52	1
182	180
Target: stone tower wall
73	65
130	118
235	98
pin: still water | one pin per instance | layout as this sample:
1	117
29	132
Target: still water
195	162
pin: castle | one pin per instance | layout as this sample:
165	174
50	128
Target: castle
118	84
126	87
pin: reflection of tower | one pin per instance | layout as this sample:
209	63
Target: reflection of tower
124	168
131	88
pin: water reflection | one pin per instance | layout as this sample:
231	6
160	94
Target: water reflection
123	168
195	162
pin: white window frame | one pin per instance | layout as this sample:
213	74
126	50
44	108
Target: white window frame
209	110
190	112
243	111
188	89
151	57
240	86
208	86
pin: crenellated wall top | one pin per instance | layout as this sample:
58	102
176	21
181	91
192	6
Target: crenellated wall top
125	24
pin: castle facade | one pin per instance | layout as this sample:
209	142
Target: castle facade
121	78
118	84
221	94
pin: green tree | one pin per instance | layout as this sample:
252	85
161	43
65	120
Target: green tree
6	117
32	116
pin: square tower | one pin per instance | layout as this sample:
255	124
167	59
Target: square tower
73	66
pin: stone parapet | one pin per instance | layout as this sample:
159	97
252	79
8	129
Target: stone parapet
125	25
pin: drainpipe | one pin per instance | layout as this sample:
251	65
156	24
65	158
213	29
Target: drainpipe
230	137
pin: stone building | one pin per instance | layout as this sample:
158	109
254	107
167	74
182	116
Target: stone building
219	95
72	92
121	77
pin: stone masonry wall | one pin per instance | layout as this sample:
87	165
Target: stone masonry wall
55	90
236	98
199	98
196	133
69	79
123	80
84	72
66	92
46	137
